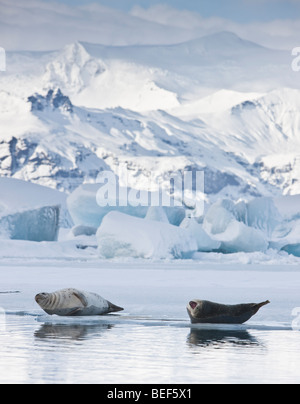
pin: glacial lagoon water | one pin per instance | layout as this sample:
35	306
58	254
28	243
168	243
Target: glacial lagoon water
144	347
144	351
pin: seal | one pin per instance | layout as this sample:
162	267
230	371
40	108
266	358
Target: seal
73	302
204	312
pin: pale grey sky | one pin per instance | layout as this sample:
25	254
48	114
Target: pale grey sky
51	24
236	10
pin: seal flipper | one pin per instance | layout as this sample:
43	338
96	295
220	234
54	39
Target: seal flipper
258	306
81	298
75	312
64	312
113	308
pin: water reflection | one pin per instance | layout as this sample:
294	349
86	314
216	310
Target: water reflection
220	338
74	332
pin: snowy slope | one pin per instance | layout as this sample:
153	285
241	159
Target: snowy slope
218	104
251	147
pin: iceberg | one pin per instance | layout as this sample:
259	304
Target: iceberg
224	222
121	235
20	196
240	238
219	216
263	214
288	206
292	249
204	241
88	231
87	209
260	213
31	212
40	224
287	237
157	214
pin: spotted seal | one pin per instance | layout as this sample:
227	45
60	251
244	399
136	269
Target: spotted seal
205	312
73	302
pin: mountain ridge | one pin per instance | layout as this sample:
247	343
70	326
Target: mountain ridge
154	115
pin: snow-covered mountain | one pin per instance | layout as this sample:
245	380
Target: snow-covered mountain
218	104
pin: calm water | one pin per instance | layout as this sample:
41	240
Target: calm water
34	351
152	341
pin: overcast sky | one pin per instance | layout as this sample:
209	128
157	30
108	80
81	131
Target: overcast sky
47	24
237	10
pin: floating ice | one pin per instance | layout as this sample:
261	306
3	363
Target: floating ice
288	206
83	231
157	214
204	241
85	210
20	196
286	237
122	235
224	222
30	212
33	225
263	214
85	207
219	216
240	238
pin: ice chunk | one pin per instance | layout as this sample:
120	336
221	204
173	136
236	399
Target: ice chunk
175	214
121	235
219	216
40	224
85	210
204	241
224	223
83	231
240	238
288	206
19	196
85	207
262	214
292	249
157	214
286	237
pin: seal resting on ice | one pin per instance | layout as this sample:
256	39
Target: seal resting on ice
73	302
204	312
